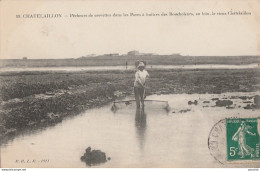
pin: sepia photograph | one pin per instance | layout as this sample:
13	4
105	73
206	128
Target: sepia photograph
129	84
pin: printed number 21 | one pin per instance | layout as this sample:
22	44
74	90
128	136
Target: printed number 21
232	151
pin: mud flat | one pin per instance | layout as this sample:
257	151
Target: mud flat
38	99
128	137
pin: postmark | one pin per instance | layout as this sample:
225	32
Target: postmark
217	141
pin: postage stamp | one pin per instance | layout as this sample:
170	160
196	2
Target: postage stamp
242	139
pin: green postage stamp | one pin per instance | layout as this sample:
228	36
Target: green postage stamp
242	139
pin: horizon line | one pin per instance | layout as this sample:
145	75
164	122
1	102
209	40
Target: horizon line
26	58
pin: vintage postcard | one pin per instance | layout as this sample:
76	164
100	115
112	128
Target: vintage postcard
127	84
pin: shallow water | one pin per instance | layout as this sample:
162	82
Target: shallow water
156	138
110	68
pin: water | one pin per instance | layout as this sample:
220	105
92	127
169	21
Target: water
110	68
155	139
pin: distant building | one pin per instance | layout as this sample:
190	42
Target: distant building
25	58
134	52
112	54
148	54
87	56
91	55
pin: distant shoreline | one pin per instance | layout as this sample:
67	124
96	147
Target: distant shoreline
139	56
123	68
122	60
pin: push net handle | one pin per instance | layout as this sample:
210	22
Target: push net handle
144	100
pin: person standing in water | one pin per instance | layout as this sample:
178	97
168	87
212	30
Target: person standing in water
139	85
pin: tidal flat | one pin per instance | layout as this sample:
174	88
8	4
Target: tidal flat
30	100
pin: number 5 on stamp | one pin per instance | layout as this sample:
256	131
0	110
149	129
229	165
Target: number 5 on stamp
242	139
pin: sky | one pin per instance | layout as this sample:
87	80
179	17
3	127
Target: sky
67	37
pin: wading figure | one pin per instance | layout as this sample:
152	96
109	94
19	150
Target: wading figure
139	84
240	136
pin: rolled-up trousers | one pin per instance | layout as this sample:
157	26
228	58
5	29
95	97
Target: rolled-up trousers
139	95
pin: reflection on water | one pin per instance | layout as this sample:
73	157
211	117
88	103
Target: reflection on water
140	125
149	137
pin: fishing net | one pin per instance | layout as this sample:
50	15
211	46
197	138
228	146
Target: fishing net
148	104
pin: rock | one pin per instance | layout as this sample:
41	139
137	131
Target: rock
184	111
127	103
195	102
247	102
251	97
221	103
93	157
252	106
257	100
233	97
229	107
206	102
88	150
215	99
243	97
